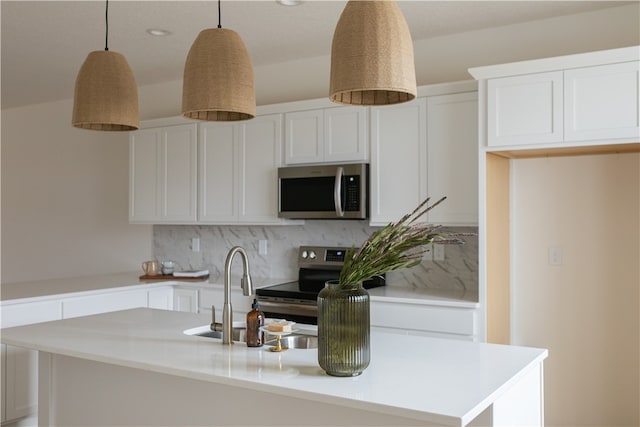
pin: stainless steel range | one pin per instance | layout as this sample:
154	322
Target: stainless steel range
297	301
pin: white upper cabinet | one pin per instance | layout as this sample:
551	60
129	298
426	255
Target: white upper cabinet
238	171
587	99
218	170
163	175
426	148
260	154
398	160
326	135
179	174
602	102
304	141
452	157
144	175
524	109
345	134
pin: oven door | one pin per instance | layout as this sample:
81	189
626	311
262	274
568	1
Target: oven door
299	312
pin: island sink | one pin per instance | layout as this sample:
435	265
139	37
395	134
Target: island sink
239	334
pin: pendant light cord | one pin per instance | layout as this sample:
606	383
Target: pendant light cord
106	19
219	16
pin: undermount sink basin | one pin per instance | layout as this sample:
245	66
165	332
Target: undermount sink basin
239	334
296	341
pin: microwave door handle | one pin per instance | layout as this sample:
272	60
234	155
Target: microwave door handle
337	191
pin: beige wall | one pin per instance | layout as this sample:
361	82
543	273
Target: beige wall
585	311
65	198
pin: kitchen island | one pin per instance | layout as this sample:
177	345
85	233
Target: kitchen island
137	367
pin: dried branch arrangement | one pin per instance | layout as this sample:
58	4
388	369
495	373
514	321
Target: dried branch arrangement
395	246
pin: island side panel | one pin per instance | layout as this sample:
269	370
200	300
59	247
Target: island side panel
82	392
523	403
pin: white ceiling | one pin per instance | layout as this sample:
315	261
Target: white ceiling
45	42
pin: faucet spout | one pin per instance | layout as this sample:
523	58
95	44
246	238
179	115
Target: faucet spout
247	290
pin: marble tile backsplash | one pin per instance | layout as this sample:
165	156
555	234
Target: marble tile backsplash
458	271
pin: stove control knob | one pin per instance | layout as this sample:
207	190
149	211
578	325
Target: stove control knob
312	255
304	255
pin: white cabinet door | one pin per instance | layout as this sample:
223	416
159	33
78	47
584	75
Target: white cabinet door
398	160
185	299
103	303
602	102
304	137
326	135
218	157
20	372
525	109
163	175
161	298
179	174
345	134
238	171
452	157
259	157
144	175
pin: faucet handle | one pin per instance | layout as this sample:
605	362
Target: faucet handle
215	326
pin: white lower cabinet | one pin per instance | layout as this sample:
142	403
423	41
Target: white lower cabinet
103	303
185	299
161	298
422	319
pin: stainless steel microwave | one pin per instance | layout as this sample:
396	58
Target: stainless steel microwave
324	191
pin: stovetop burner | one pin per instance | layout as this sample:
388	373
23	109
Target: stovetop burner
288	292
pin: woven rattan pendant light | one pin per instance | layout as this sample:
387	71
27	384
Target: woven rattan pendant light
218	77
372	55
106	94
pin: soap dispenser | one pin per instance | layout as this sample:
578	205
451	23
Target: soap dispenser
255	319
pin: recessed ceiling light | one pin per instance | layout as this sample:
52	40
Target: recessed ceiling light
289	2
158	32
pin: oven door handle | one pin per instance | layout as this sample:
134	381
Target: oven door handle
337	191
289	308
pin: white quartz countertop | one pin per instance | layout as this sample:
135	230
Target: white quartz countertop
71	285
436	380
395	292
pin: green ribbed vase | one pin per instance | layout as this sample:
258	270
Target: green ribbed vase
343	329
